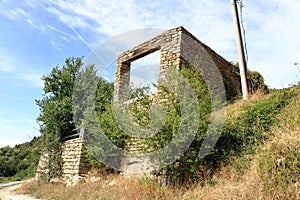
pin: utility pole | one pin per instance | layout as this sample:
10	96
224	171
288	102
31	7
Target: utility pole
240	49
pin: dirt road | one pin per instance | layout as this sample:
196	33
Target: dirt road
7	191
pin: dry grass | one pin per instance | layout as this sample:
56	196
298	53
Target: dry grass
231	186
110	187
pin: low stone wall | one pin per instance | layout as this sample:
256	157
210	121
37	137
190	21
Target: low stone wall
74	159
42	166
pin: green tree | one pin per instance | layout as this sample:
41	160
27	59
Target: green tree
56	118
56	106
257	81
74	96
92	102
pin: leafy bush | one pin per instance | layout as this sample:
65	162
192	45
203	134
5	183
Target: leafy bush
176	123
257	81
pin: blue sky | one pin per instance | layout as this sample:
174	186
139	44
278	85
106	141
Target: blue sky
36	36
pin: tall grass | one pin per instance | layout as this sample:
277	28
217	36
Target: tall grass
109	187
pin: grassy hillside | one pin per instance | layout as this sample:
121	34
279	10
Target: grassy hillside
19	162
272	170
257	157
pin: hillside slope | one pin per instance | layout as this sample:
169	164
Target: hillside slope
19	162
273	172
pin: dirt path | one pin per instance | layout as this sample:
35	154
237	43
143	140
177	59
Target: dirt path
7	191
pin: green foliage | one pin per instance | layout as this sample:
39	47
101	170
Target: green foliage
244	133
139	92
187	167
21	161
257	81
56	106
249	128
104	97
176	123
92	107
70	91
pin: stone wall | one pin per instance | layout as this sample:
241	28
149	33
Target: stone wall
74	159
177	47
168	43
42	168
213	66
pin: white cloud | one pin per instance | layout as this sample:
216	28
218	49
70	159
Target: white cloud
72	21
66	36
145	71
144	75
17	14
210	21
7	65
150	59
32	15
33	79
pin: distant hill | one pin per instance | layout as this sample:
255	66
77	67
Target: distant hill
19	162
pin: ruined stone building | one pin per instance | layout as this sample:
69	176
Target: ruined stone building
177	47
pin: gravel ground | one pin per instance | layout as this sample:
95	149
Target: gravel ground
7	191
